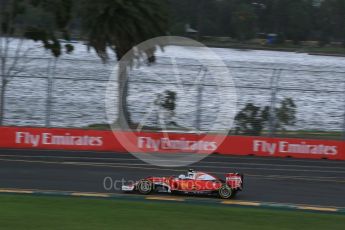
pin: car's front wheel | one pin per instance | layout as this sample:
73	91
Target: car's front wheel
145	187
225	192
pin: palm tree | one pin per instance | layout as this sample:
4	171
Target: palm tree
121	25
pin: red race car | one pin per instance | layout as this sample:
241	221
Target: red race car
192	183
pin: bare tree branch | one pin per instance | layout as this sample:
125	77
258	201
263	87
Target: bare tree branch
19	57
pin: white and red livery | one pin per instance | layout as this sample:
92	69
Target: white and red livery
193	183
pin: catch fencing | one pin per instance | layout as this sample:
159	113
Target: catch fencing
276	102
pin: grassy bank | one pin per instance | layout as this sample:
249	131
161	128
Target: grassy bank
310	134
288	47
305	134
29	212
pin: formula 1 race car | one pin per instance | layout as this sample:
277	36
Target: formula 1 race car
193	183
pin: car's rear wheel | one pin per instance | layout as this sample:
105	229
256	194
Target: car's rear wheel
225	192
145	187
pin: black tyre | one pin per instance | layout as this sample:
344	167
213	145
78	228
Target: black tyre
225	192
145	187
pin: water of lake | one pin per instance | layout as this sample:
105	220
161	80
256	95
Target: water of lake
316	83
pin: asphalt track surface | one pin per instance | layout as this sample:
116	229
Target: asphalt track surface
279	180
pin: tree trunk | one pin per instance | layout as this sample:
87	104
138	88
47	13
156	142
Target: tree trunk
123	116
2	101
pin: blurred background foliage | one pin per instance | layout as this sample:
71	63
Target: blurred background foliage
296	20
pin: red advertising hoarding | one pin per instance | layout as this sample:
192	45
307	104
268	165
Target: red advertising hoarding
94	140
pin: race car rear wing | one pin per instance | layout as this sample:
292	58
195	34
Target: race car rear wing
234	180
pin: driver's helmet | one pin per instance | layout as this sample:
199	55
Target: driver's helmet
182	177
191	174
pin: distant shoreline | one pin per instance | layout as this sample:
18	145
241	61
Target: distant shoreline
317	51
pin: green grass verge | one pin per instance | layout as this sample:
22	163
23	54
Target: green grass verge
310	134
39	212
305	134
327	50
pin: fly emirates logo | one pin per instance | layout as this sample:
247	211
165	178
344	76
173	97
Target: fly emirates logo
52	139
176	144
300	148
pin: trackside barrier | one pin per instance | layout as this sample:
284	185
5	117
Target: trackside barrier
95	140
283	147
